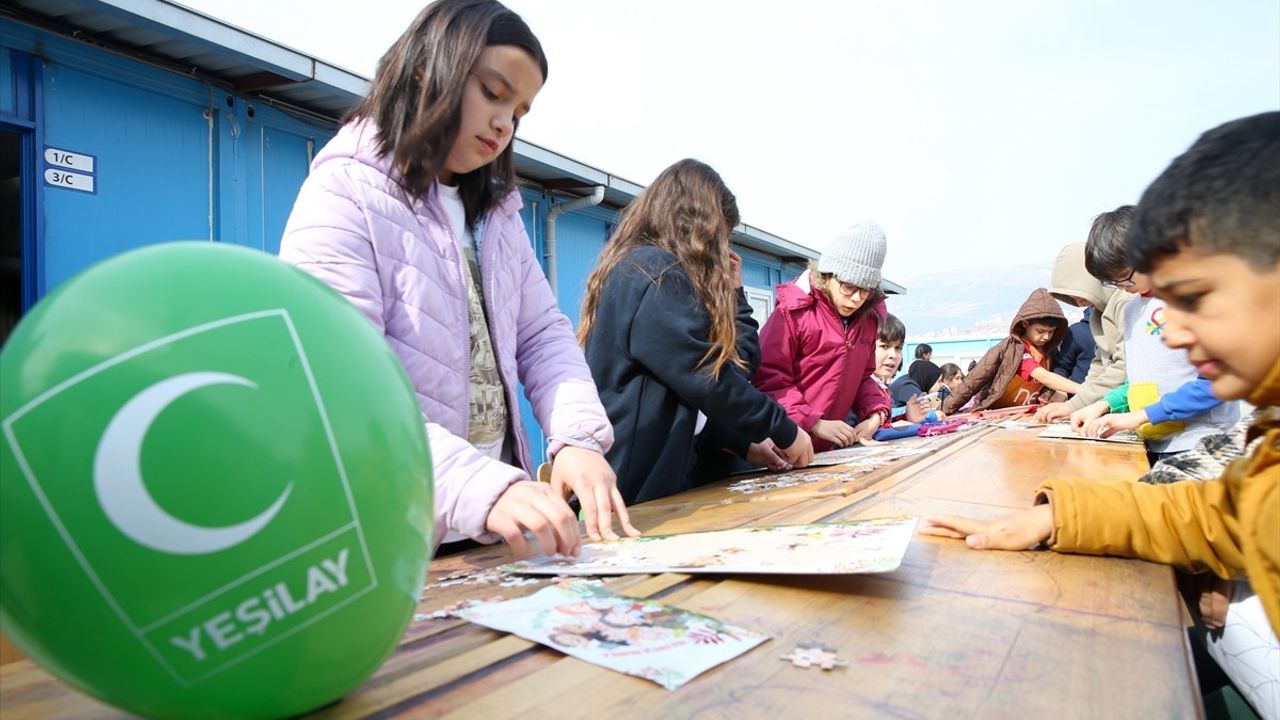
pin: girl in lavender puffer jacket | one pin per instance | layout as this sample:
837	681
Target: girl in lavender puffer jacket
411	212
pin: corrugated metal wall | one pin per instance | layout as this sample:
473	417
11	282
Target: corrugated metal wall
175	158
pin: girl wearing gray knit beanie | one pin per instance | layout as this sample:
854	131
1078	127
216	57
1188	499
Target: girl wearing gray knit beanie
818	347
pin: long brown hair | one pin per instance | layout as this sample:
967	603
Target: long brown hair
416	96
688	212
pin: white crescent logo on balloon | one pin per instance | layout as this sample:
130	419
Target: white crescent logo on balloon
117	476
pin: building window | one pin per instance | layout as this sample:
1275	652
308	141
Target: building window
761	301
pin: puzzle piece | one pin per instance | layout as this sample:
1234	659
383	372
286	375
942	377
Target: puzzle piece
785	480
451	610
467	577
561	579
804	657
515	581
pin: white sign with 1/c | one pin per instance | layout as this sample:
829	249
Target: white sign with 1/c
70	160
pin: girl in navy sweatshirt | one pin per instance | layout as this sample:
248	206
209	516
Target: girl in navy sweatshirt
661	322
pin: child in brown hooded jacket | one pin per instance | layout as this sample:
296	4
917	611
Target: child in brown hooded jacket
1017	370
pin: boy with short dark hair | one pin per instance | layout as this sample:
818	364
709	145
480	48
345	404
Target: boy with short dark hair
1208	232
889	340
1163	399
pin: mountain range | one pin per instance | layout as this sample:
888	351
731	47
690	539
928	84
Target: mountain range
968	302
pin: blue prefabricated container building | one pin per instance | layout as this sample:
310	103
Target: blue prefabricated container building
125	123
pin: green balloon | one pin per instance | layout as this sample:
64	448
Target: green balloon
215	491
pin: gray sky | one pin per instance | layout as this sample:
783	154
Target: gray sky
978	134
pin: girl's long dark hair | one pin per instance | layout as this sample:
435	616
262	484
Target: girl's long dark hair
416	96
688	212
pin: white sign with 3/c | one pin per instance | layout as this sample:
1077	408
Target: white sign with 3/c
69	180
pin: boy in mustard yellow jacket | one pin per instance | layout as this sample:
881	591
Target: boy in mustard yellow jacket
1208	233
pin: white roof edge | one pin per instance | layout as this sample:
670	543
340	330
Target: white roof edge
202	29
893	287
587	174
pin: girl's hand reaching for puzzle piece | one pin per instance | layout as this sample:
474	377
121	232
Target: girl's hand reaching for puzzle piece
533	506
766	454
836	432
800	452
1019	531
589	476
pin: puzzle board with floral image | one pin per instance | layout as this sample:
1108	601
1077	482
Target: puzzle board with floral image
636	636
856	546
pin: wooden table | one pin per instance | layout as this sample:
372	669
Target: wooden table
953	633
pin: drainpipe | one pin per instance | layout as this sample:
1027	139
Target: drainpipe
549	235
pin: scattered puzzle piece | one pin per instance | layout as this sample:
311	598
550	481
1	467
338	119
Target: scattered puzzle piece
803	657
515	581
561	579
451	610
467	577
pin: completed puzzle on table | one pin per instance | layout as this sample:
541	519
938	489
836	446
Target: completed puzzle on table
636	636
857	546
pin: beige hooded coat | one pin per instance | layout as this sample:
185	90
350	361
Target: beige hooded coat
1069	281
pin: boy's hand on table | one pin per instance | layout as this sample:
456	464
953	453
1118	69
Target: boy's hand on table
1087	414
1112	424
1053	412
1020	531
589	476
